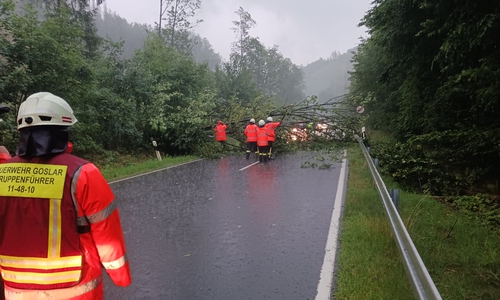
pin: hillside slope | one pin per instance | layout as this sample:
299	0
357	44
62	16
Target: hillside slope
328	78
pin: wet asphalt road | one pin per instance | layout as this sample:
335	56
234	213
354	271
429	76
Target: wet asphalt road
207	230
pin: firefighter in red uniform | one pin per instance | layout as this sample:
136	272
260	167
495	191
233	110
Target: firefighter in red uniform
271	129
262	141
251	133
220	133
59	225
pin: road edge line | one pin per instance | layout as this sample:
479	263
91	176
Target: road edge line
324	290
155	171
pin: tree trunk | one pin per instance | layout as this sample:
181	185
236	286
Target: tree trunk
161	17
174	24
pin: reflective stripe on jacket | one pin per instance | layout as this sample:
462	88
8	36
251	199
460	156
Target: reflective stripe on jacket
271	127
88	202
251	132
262	136
220	132
92	290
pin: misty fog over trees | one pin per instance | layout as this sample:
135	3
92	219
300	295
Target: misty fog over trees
133	83
329	78
112	26
326	78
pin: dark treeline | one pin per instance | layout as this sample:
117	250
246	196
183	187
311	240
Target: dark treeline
112	26
429	75
141	83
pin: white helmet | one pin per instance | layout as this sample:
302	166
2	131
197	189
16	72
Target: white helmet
252	120
269	119
45	109
262	123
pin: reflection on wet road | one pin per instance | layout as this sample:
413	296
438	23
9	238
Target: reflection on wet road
209	230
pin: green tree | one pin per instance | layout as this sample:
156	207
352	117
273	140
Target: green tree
166	85
241	29
274	75
82	12
178	15
236	85
429	74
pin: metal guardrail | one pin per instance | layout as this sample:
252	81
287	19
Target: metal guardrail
420	280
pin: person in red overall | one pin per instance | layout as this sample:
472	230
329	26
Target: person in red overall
63	209
251	133
220	133
271	129
262	141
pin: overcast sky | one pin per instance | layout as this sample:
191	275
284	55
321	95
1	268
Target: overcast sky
303	30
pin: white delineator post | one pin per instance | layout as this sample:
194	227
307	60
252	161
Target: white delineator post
158	155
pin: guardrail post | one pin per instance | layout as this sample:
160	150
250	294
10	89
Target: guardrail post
395	197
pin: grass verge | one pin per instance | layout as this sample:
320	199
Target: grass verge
133	167
369	265
461	254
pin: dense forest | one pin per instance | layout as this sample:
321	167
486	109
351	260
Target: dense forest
429	75
130	84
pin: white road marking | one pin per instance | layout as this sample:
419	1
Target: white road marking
248	166
324	290
135	176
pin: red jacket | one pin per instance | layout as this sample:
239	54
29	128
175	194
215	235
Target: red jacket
262	136
51	244
70	147
220	132
271	127
251	132
4	154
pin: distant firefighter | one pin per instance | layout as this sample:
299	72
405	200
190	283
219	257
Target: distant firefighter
220	132
251	133
262	141
271	129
